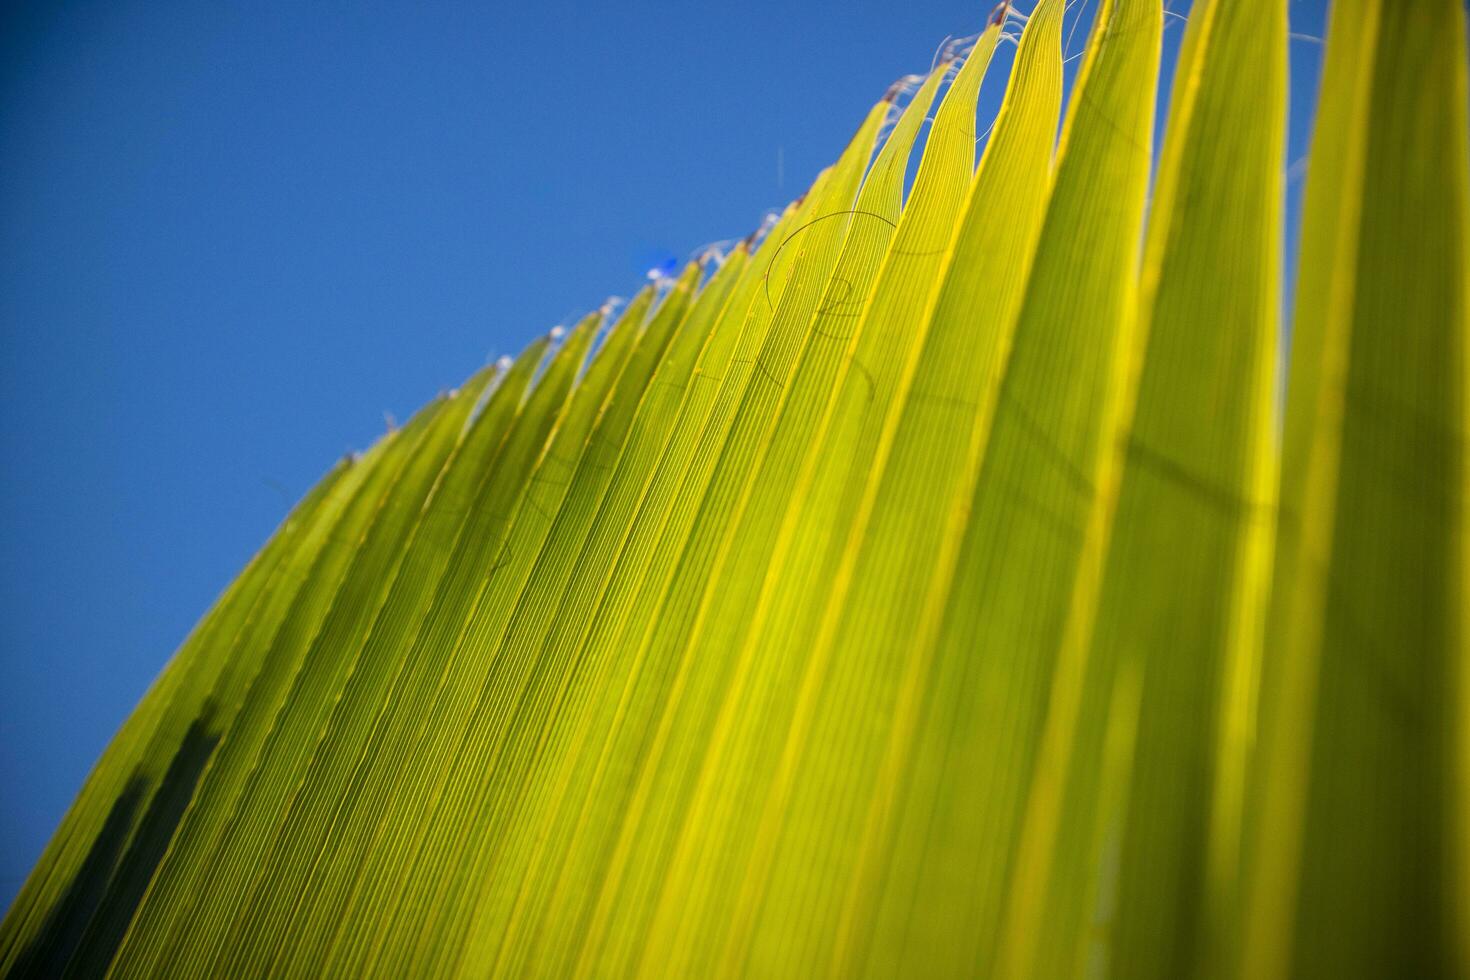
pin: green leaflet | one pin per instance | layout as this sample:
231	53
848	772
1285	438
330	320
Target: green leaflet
1182	597
688	866
834	472
1364	749
908	594
900	568
1020	555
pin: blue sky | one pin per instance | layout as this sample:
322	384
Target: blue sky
233	236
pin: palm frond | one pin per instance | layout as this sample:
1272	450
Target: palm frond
932	585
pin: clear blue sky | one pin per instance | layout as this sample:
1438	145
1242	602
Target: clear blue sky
233	235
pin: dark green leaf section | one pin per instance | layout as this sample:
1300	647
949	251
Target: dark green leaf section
1361	835
927	587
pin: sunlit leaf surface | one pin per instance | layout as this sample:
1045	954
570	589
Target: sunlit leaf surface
970	573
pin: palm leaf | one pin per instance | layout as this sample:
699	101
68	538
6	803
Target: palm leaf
935	584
